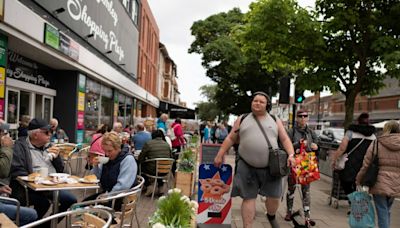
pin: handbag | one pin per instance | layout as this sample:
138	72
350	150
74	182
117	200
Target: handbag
341	160
362	213
371	174
305	169
277	157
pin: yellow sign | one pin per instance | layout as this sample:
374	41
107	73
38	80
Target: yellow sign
81	101
2	81
1	9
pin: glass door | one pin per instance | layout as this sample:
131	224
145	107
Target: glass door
12	112
47	108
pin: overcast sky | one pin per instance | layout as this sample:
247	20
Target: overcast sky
174	19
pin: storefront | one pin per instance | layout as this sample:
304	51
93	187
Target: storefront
58	66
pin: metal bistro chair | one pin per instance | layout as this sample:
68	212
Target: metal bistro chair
83	217
66	152
13	202
130	198
163	170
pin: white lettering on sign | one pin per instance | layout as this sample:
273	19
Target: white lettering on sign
77	12
110	9
18	73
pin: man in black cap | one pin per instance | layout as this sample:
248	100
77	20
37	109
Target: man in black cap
32	153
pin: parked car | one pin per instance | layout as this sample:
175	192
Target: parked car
332	135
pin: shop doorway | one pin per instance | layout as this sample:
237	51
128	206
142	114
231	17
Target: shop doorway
21	103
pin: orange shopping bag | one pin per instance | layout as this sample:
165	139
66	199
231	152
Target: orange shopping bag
306	169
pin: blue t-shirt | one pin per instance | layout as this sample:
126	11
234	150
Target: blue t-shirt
140	138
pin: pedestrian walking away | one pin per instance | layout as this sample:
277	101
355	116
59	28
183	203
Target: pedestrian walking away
252	175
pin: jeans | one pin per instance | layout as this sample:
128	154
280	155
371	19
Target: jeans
382	206
26	214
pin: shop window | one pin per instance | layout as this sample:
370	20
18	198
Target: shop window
121	108
107	106
92	100
12	107
129	112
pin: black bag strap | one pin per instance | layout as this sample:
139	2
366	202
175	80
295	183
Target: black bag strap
263	132
354	148
91	144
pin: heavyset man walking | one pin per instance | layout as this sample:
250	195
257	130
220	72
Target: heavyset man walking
252	174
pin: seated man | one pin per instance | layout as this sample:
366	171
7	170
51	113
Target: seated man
26	215
155	148
119	173
141	137
58	135
32	153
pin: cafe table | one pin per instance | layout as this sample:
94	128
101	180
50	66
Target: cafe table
38	187
6	222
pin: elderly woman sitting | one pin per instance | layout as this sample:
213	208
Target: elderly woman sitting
119	172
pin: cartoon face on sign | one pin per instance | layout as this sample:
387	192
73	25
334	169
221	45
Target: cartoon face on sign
213	188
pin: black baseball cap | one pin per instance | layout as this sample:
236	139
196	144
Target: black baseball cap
38	124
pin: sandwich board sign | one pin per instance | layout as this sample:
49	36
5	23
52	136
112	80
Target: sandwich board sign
208	152
214	195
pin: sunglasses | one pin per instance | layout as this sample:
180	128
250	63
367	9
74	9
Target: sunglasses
47	132
302	116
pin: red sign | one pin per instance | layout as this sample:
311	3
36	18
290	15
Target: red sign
2	109
81	116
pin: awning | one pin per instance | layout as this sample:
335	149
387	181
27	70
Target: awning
175	111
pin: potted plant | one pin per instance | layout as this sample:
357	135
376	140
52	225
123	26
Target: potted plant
184	174
174	210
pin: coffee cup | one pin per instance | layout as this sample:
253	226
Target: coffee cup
103	160
44	172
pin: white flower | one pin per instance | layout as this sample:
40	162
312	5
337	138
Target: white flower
194	204
162	198
177	190
185	199
170	191
158	225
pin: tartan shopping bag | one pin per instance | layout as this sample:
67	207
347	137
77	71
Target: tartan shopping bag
306	168
362	214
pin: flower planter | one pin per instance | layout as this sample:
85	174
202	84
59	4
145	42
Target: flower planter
184	181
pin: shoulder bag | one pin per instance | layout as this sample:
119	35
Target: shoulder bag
371	175
342	159
277	157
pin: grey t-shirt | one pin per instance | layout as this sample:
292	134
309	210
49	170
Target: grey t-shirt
253	147
40	158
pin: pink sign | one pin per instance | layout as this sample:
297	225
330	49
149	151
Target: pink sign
81	116
2	109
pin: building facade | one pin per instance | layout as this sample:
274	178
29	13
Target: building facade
75	60
148	56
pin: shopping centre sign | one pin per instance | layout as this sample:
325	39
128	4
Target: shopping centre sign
105	24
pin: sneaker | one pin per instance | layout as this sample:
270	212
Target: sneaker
309	222
288	217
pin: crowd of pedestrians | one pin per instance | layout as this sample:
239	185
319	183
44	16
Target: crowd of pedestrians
252	168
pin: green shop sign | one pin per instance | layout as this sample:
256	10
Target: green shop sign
52	36
3	50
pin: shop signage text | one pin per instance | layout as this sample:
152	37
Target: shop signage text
105	24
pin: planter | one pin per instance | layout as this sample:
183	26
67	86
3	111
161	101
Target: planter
184	181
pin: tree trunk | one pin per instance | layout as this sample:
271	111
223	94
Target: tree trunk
349	108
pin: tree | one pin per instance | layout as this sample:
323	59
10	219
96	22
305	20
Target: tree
362	46
208	110
226	64
353	48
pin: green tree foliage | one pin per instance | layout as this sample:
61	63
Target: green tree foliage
208	110
362	46
227	65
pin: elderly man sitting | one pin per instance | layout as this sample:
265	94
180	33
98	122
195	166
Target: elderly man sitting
31	153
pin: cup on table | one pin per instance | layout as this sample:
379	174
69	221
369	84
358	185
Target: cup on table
103	160
44	172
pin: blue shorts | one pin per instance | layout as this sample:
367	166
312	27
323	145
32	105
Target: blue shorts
250	182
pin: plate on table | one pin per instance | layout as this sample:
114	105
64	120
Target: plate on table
48	182
59	175
83	180
26	178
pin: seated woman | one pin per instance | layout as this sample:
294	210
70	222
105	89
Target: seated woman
119	173
155	148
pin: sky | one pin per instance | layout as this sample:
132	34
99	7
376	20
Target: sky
174	19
